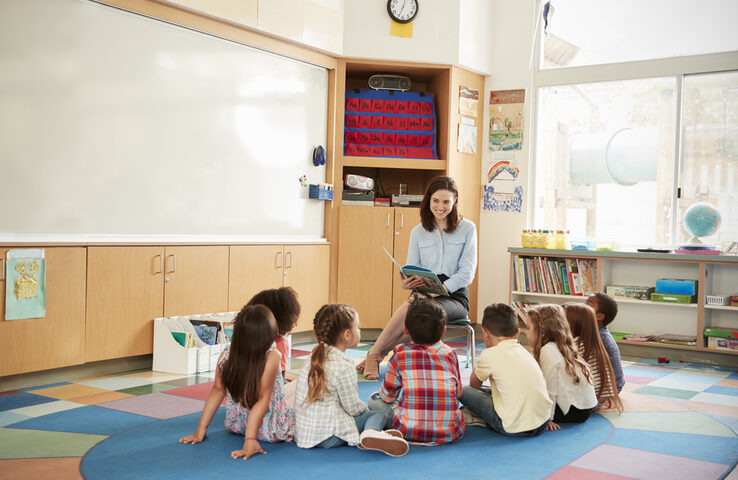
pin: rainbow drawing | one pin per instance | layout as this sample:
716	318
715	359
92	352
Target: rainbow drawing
500	168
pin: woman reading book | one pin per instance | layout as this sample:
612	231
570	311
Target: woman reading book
444	243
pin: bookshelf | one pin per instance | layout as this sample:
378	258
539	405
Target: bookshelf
716	274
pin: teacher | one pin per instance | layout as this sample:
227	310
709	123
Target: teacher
443	243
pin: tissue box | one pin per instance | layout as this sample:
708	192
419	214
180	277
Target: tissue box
676	286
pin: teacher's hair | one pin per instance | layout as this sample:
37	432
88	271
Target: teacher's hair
426	216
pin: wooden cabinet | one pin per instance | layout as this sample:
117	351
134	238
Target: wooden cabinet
369	282
716	275
127	287
443	81
58	339
303	267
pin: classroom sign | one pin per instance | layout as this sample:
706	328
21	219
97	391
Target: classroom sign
25	284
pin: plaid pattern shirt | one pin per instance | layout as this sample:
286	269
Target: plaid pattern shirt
426	380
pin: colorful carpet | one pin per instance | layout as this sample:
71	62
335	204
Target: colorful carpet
680	422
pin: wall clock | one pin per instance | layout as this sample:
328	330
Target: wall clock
402	11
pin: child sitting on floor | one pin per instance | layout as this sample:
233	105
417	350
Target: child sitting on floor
286	310
568	379
583	326
606	308
329	412
519	405
248	376
422	385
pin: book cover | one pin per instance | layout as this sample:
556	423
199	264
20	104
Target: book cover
572	273
431	283
587	275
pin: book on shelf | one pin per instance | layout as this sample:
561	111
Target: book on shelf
521	308
553	276
572	273
587	275
673	339
639	337
431	283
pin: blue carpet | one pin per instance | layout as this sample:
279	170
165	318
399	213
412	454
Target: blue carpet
22	399
90	419
699	447
152	451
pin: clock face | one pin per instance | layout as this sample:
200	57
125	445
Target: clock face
402	11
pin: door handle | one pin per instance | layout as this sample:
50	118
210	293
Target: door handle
286	256
161	264
174	263
278	260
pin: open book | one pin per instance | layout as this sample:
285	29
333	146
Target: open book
432	285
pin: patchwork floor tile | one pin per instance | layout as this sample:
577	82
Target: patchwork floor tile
728	382
155	377
729	400
9	418
187	381
58	384
199	392
103	397
667	392
116	383
150	388
675	422
20	443
573	473
89	419
46	468
638	380
712	408
722	390
18	399
47	408
633	402
299	353
643	465
717	449
66	392
157	405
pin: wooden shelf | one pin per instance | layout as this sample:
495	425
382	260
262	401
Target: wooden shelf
678	347
721	307
550	295
384	162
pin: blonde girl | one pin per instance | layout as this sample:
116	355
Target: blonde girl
568	378
329	412
248	376
583	323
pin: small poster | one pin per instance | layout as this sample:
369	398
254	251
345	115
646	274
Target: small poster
495	201
467	138
25	284
506	119
468	101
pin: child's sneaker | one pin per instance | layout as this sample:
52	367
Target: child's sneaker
384	442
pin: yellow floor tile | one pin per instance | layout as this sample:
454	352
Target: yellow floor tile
66	392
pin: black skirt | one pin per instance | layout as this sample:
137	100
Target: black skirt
456	305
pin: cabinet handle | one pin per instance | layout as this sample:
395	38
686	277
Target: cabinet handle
278	260
174	263
402	220
3	272
288	255
388	225
161	264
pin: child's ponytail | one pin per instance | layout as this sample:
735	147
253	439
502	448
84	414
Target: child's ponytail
330	321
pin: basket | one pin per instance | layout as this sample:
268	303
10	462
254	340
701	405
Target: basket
717	300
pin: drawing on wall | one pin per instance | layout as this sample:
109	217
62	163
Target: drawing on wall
467	138
25	285
506	119
493	201
468	101
502	170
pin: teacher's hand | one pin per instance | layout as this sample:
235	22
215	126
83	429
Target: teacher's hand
412	282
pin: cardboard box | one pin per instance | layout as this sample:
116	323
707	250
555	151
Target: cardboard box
642	293
721	332
673	298
719	343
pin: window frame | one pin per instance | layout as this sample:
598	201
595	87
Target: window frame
677	67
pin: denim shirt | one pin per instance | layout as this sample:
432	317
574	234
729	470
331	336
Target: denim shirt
452	254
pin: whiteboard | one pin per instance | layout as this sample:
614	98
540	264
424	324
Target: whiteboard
112	123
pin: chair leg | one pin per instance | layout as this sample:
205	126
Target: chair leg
472	345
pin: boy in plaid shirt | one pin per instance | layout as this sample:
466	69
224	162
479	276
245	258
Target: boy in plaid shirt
422	385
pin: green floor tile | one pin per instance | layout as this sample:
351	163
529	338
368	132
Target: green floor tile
22	443
666	392
146	389
672	422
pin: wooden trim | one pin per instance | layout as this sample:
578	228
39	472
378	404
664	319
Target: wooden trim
701	289
405	163
224	29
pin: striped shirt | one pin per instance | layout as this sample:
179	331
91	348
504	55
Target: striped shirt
596	374
426	380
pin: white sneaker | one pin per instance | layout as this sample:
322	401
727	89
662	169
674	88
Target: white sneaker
384	442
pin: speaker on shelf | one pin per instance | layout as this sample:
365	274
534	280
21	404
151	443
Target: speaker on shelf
357	182
390	82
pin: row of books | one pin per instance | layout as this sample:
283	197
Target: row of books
557	276
520	308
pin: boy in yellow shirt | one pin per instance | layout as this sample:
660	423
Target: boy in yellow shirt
517	404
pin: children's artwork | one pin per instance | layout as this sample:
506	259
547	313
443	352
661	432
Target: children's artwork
502	202
502	170
467	139
506	119
468	101
25	284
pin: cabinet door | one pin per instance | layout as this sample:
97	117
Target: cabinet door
125	292
306	270
58	339
364	271
196	280
253	268
405	220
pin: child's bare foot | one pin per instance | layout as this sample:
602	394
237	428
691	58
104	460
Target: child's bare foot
360	365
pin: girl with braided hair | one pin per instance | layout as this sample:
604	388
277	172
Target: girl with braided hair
248	377
328	410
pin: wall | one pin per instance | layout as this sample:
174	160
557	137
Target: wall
512	25
475	35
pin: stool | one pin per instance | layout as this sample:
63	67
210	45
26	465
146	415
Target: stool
465	324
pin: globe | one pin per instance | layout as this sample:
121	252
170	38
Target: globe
701	219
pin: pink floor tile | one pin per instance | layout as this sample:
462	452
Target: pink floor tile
647	465
157	405
298	353
638	380
634	402
712	408
728	382
571	473
200	391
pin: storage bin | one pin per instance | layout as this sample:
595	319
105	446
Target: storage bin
717	299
